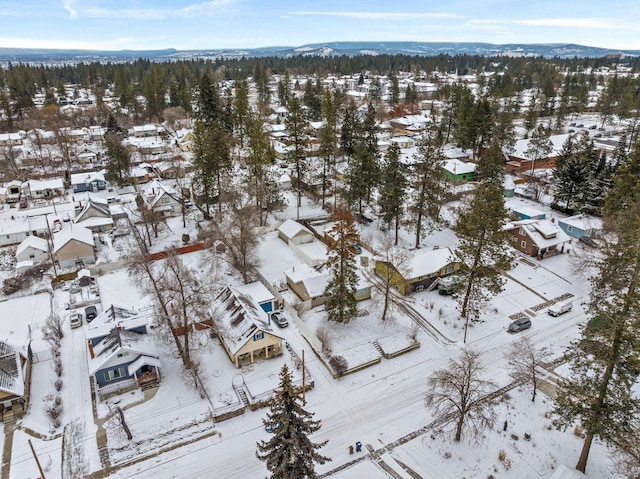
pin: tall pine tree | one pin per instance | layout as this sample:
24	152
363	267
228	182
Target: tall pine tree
393	193
604	361
290	453
483	250
341	303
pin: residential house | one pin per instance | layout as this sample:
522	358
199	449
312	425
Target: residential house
15	229
11	139
537	238
581	225
93	181
96	133
15	371
87	154
520	159
32	250
144	131
161	198
185	139
44	188
309	284
457	172
14	190
422	270
123	360
73	245
403	141
94	215
243	328
260	294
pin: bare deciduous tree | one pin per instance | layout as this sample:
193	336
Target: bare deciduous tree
397	261
238	232
459	396
523	359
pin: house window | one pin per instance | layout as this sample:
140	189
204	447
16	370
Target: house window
258	336
521	231
31	256
523	244
114	374
569	228
165	200
123	354
449	269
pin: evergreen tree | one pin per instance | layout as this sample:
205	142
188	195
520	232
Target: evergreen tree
491	166
393	186
483	250
604	361
118	166
341	303
328	140
290	453
395	90
297	128
208	101
261	156
284	89
241	109
428	184
349	130
211	162
531	116
539	146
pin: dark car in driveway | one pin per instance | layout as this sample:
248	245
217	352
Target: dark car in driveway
519	325
90	312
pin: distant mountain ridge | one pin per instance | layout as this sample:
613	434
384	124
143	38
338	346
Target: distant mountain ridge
562	50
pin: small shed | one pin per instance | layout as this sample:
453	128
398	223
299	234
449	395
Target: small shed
528	213
293	232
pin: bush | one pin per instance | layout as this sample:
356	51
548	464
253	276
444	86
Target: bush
323	335
502	455
54	409
57	366
339	364
58	384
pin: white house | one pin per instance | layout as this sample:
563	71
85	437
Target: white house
33	249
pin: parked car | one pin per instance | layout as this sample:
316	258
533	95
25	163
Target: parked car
448	285
363	220
589	241
90	312
279	319
75	320
519	325
560	308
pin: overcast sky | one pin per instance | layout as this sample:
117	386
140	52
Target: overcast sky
184	24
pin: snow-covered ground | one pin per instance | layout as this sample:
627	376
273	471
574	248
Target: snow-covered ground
381	406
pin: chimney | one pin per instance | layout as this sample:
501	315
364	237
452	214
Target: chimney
90	345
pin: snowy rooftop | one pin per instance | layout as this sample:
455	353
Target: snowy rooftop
430	261
32	242
238	317
72	232
458	167
292	228
543	233
520	148
256	290
583	222
119	340
11	379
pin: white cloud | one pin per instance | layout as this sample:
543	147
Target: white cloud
380	15
150	13
596	23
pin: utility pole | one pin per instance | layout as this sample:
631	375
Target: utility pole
35	456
